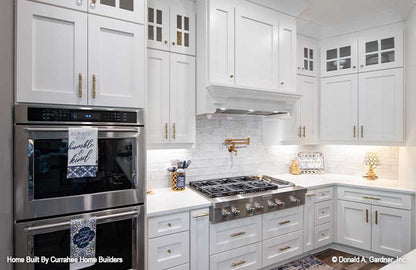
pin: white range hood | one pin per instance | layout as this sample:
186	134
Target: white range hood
235	100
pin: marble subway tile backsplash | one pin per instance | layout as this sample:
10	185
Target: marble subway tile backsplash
211	159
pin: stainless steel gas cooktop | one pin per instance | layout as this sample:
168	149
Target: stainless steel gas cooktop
243	196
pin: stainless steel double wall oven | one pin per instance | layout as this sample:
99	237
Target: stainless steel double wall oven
45	200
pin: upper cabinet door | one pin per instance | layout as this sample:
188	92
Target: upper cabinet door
307	57
116	62
182	98
158	24
129	10
310	109
339	106
382	49
221	42
381	106
158	123
182	27
256	47
72	4
51	63
339	57
287	53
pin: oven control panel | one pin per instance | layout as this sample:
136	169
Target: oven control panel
76	115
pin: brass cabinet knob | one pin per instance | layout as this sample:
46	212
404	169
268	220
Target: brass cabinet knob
231	76
169	251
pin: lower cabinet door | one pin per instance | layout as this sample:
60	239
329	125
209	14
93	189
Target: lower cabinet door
309	221
232	234
200	239
324	235
247	258
282	222
391	231
168	251
283	247
354	224
323	212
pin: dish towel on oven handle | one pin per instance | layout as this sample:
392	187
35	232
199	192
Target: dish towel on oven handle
83	236
82	152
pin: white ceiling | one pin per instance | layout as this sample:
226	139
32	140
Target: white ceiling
332	12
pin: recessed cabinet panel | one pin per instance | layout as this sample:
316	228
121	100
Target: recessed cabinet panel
158	24
287	54
51	63
116	63
339	106
221	42
128	10
158	124
381	106
256	47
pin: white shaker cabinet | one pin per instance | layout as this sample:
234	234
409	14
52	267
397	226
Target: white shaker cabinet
199	239
51	54
172	26
81	5
221	42
309	221
256	47
287	53
307	56
339	56
170	98
339	108
128	10
391	231
116	65
354	224
381	106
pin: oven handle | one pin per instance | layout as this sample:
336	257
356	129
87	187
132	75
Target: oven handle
67	223
52	129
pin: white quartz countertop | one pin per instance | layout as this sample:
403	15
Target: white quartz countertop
409	262
166	201
323	180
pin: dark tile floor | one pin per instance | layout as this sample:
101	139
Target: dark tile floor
326	257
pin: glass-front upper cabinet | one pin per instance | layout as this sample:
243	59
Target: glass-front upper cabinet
158	24
382	49
307	56
128	10
338	57
171	26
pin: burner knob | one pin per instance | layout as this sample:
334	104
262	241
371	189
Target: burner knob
271	204
250	208
235	211
258	206
294	200
225	213
279	203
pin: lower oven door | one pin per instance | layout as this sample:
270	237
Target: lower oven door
41	185
119	235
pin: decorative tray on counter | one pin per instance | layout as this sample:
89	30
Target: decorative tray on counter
311	162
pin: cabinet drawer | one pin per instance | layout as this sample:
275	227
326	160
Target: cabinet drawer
283	247
324	235
233	234
282	222
322	194
375	197
168	251
159	226
180	267
324	212
247	258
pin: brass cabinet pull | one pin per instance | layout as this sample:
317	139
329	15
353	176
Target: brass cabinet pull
311	195
238	234
238	263
304	131
284	248
376	217
201	215
371	198
284	222
300	132
80	85
174	130
166	130
94	81
362	131
366	215
355	131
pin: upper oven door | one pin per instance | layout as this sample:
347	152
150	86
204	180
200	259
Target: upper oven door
41	185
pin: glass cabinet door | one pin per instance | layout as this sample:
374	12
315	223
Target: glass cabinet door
158	25
307	56
129	10
382	51
339	59
182	28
